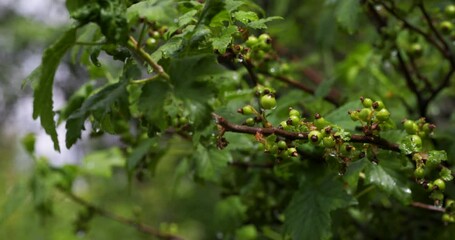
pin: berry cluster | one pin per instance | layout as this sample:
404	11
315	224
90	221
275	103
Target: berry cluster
373	116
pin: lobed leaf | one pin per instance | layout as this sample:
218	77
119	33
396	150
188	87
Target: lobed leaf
42	99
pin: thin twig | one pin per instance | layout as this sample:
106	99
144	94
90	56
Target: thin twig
428	207
132	223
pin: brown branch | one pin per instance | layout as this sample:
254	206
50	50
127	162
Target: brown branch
250	68
231	127
428	207
126	221
435	31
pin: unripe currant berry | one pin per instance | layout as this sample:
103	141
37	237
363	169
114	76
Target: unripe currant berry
283	124
320	122
295	120
314	136
416	140
437	195
450	11
378	105
415	50
354	115
251	41
183	120
440	184
274	149
419	172
292	152
151	42
265	41
282	144
248	110
410	127
250	122
446	27
268	101
383	115
367	102
428	128
293	112
328	142
364	114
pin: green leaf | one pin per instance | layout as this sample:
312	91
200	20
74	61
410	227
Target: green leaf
220	19
102	100
232	5
152	100
221	43
436	157
210	10
347	14
341	117
446	174
162	12
245	17
230	213
168	49
308	214
211	162
140	151
386	178
324	88
351	177
260	24
16	197
100	163
42	99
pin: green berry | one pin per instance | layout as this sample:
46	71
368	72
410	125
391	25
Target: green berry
314	136
295	120
282	144
450	11
183	120
268	101
415	50
250	121
284	124
416	140
367	102
419	172
151	42
292	152
252	41
383	115
437	195
440	184
410	127
378	105
320	123
354	115
364	114
294	112
248	110
446	27
328	142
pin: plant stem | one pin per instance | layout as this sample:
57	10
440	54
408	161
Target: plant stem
126	221
133	45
